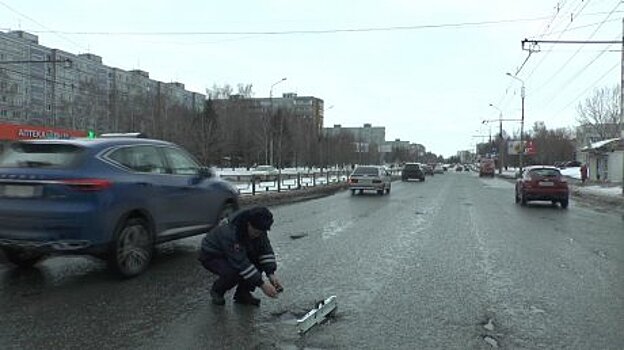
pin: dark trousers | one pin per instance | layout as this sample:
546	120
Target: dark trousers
228	276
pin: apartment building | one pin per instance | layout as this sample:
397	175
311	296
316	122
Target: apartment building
51	87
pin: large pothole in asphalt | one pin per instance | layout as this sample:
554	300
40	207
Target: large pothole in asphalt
491	341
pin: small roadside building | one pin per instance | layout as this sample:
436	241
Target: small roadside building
605	160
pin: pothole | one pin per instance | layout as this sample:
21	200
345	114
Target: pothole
298	235
600	253
418	212
491	341
287	316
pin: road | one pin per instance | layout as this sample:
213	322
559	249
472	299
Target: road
451	263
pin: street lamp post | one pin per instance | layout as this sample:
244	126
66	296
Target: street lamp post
501	154
270	145
324	156
522	94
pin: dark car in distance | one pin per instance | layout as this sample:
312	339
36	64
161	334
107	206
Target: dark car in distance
112	198
542	183
412	171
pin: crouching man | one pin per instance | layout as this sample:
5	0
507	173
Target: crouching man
238	250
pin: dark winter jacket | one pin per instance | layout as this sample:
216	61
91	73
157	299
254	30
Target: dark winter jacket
229	240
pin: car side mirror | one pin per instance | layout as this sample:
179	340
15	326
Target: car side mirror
205	172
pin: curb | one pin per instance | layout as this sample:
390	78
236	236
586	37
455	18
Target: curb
293	196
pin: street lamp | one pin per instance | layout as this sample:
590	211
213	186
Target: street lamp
501	154
277	82
270	148
522	120
324	144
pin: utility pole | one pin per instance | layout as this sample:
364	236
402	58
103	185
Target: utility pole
622	105
501	154
535	44
271	117
522	94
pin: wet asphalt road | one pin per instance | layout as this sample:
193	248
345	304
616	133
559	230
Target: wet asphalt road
451	263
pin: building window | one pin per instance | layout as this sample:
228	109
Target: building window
3	113
49	107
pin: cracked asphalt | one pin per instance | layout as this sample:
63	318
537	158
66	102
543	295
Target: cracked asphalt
451	263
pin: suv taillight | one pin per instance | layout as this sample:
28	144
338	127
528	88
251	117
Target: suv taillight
87	185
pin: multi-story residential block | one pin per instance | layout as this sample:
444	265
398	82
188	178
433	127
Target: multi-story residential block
52	87
364	136
397	144
303	107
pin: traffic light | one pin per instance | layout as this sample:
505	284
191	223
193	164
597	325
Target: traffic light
91	134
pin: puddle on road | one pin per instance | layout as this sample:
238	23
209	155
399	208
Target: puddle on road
287	316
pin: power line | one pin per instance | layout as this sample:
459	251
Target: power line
591	86
584	26
295	32
575	76
510	84
562	67
558	37
49	30
559	7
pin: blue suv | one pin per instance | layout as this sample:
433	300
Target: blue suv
113	198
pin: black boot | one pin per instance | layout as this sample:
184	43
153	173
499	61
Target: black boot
217	296
243	296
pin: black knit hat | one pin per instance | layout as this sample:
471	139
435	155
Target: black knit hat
260	218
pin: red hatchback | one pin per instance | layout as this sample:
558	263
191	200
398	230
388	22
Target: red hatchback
542	183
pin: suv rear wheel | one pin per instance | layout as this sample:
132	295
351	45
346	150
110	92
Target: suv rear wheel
132	249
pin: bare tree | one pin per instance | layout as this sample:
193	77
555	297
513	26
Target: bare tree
219	92
601	112
205	134
551	145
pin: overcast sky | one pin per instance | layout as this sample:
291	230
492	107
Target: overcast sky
431	85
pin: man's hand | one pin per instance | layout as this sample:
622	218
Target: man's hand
269	290
276	283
